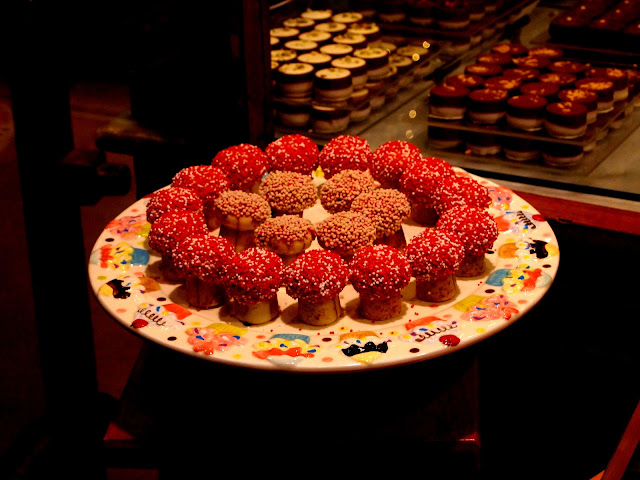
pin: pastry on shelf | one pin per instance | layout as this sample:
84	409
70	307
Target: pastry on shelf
618	76
357	67
561	155
526	112
487	105
483	140
295	80
565	120
316	59
448	102
332	84
602	87
326	119
586	97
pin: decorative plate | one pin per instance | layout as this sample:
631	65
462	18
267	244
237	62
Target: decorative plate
125	277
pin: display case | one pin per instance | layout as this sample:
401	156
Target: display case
609	167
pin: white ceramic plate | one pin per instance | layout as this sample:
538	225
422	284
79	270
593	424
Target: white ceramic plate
124	275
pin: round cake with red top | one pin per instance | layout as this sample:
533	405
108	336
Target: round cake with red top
435	256
586	97
618	76
511	49
547	51
526	112
252	279
390	159
547	90
378	274
562	79
294	153
464	80
602	87
448	102
173	198
201	259
525	74
532	61
501	59
344	152
487	105
501	82
478	232
566	119
484	70
316	279
568	66
244	164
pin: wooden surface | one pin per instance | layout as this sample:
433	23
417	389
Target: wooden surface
568	211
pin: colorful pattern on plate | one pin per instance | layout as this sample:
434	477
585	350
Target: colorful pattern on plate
125	276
